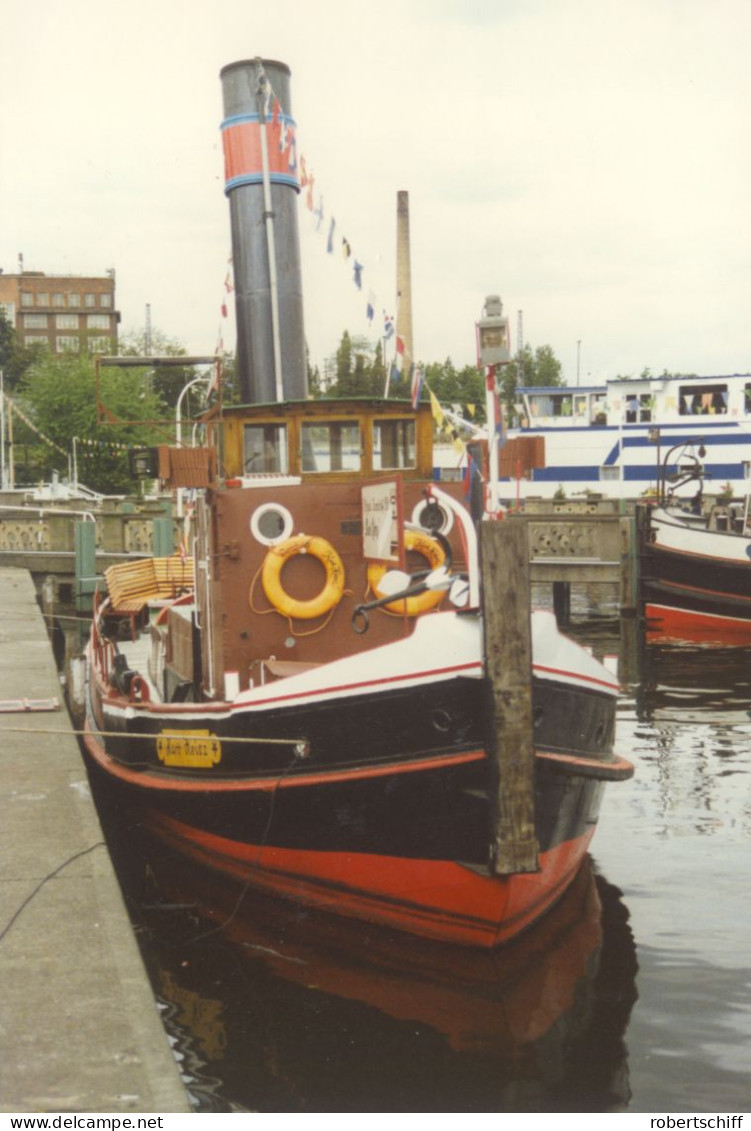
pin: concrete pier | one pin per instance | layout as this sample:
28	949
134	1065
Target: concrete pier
79	1027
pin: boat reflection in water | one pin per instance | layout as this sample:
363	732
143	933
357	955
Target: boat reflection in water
273	1007
694	683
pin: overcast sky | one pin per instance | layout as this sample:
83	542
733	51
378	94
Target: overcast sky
586	159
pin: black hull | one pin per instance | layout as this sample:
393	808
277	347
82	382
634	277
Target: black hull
693	595
384	814
366	730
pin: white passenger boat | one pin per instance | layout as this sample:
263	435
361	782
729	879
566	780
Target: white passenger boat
608	439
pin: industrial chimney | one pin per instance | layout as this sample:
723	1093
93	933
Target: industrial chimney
262	183
404	277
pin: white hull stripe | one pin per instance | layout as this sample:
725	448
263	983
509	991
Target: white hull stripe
346	691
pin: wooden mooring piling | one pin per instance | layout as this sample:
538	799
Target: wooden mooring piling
574	548
507	650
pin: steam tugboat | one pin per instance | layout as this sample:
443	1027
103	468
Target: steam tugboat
303	704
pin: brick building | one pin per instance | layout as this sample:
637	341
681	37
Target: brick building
70	313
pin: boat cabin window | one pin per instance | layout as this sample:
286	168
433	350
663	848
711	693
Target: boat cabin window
332	445
747	400
639	408
599	409
394	444
265	449
551	404
703	400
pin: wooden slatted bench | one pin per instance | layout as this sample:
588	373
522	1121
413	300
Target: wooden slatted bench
132	585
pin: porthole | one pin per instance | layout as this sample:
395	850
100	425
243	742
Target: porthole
441	721
271	523
431	516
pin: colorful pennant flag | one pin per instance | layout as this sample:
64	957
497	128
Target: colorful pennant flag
284	131
417	379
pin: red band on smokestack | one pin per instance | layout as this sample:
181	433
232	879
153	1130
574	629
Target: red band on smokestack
243	164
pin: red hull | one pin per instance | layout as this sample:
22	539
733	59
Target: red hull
434	899
666	623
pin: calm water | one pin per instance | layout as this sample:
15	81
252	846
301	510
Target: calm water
634	995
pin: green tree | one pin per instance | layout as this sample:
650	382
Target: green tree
15	358
358	369
464	388
378	369
228	377
315	380
57	395
7	342
344	367
539	367
167	382
647	373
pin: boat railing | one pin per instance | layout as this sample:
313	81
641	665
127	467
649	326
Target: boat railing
102	646
687	467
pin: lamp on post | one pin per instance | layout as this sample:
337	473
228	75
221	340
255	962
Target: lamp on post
493	349
179	405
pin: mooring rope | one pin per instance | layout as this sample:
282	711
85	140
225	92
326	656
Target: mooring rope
78	733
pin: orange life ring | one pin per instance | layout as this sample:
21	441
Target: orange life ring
271	577
435	556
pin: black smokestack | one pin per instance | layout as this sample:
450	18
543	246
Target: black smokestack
271	360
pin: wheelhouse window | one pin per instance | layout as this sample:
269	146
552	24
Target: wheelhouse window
394	444
265	449
704	400
331	445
